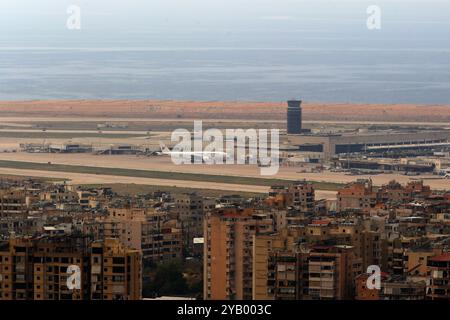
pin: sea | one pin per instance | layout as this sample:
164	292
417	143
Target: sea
405	61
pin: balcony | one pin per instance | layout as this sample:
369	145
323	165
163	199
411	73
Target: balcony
96	270
118	289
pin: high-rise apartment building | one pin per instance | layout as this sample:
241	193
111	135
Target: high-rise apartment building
41	269
332	271
116	271
147	230
285	267
280	267
190	210
228	251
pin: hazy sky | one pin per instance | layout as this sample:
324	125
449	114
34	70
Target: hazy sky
40	20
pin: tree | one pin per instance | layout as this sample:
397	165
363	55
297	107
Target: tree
167	280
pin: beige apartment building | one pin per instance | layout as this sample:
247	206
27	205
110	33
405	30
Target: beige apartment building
279	266
37	269
286	268
300	194
148	230
332	272
13	202
190	211
228	252
359	195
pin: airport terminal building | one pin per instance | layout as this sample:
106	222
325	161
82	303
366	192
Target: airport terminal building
330	145
326	146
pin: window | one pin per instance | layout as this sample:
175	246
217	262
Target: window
97	250
118	260
118	269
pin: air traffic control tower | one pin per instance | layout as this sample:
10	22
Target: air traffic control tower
294	117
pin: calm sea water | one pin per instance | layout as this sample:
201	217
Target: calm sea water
404	62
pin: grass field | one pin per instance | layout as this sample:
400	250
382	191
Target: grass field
158	174
21	178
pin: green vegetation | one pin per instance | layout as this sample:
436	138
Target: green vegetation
21	178
158	174
172	278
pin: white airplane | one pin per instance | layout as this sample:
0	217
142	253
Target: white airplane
205	155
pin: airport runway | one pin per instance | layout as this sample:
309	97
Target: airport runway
164	163
21	120
76	178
